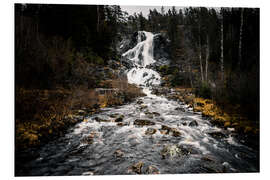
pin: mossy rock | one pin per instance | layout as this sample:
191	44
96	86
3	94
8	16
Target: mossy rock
143	122
137	168
123	124
227	124
150	131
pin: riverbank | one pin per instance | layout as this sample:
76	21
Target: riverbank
226	115
43	115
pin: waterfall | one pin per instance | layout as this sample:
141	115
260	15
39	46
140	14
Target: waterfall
141	56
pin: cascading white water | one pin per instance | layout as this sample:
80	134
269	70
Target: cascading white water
141	56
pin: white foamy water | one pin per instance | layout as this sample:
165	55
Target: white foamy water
141	56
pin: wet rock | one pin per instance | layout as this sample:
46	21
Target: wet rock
118	153
169	150
114	115
184	123
87	140
207	159
143	122
150	131
139	101
136	168
180	109
171	131
143	106
145	74
218	135
155	113
123	124
119	119
193	123
101	120
152	170
175	132
149	115
81	112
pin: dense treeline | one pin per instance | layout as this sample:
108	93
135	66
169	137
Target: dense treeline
214	50
55	44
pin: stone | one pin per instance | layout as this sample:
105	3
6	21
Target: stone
152	170
119	119
184	123
207	159
193	123
218	135
175	132
155	113
118	153
139	101
180	109
123	124
145	74
101	120
114	115
143	122
81	112
171	131
87	140
150	131
137	167
143	106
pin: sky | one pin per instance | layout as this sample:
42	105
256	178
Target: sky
145	9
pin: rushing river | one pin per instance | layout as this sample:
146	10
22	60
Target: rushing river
171	138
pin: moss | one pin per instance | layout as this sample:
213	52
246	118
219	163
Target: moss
225	115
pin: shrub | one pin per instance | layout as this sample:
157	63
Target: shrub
203	90
164	69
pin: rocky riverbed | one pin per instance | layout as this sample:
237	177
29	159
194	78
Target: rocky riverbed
153	135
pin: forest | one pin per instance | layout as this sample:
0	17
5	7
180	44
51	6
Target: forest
67	55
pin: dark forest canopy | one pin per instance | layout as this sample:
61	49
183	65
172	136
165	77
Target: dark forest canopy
214	51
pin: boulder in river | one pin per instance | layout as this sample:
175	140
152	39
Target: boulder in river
155	113
114	115
171	131
123	124
87	140
152	170
119	119
150	131
118	153
180	109
139	101
143	106
136	168
218	135
143	122
145	74
101	120
193	123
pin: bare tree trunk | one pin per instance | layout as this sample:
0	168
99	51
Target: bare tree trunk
200	52
240	38
221	50
206	58
98	18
